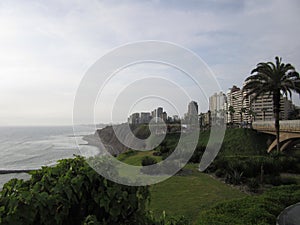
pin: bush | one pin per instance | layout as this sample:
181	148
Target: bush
71	193
147	160
261	210
196	157
253	184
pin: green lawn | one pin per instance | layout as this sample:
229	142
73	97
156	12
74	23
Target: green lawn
135	157
187	195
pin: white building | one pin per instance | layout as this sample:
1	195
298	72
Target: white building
218	107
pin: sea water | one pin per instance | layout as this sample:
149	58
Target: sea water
33	147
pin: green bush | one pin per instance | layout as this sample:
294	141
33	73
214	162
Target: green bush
197	155
262	210
147	160
71	193
253	184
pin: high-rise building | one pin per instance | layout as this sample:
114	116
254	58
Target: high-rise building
218	107
192	114
134	118
193	108
263	108
160	113
237	106
145	117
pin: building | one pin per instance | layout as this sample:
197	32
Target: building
159	112
192	108
134	118
246	110
218	107
192	115
145	117
263	109
237	107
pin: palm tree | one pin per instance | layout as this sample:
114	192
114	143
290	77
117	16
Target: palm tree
241	112
231	112
274	79
264	110
252	114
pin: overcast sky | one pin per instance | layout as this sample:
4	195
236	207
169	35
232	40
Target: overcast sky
47	46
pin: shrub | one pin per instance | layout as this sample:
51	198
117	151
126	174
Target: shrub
234	177
71	193
196	157
253	184
261	209
147	160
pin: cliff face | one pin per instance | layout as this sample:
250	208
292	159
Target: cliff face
115	143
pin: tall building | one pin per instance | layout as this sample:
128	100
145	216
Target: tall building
145	117
263	108
218	107
134	118
159	113
193	108
241	109
237	108
192	114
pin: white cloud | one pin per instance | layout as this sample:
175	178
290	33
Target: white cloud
46	47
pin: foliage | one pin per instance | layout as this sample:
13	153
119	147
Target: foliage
253	184
274	79
71	193
147	160
197	155
250	210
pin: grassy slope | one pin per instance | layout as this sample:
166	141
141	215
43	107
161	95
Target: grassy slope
188	195
241	142
135	157
183	195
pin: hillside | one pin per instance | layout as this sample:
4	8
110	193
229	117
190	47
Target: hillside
236	141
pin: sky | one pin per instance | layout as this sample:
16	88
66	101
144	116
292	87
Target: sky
47	47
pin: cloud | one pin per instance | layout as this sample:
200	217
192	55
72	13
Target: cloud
48	46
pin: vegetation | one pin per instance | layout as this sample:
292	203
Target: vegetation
71	193
188	193
250	210
147	160
273	79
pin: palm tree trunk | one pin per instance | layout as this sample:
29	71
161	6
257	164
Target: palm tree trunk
276	105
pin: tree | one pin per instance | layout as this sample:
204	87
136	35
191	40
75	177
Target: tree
252	114
241	112
231	112
275	80
264	110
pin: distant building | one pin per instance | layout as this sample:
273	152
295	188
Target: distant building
237	107
192	108
159	112
263	108
134	118
241	109
145	117
218	107
192	114
164	116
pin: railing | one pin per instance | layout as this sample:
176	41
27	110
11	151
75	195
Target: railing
285	125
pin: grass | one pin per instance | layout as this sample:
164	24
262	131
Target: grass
186	194
135	157
193	192
189	194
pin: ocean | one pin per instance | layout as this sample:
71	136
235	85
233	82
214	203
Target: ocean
33	147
